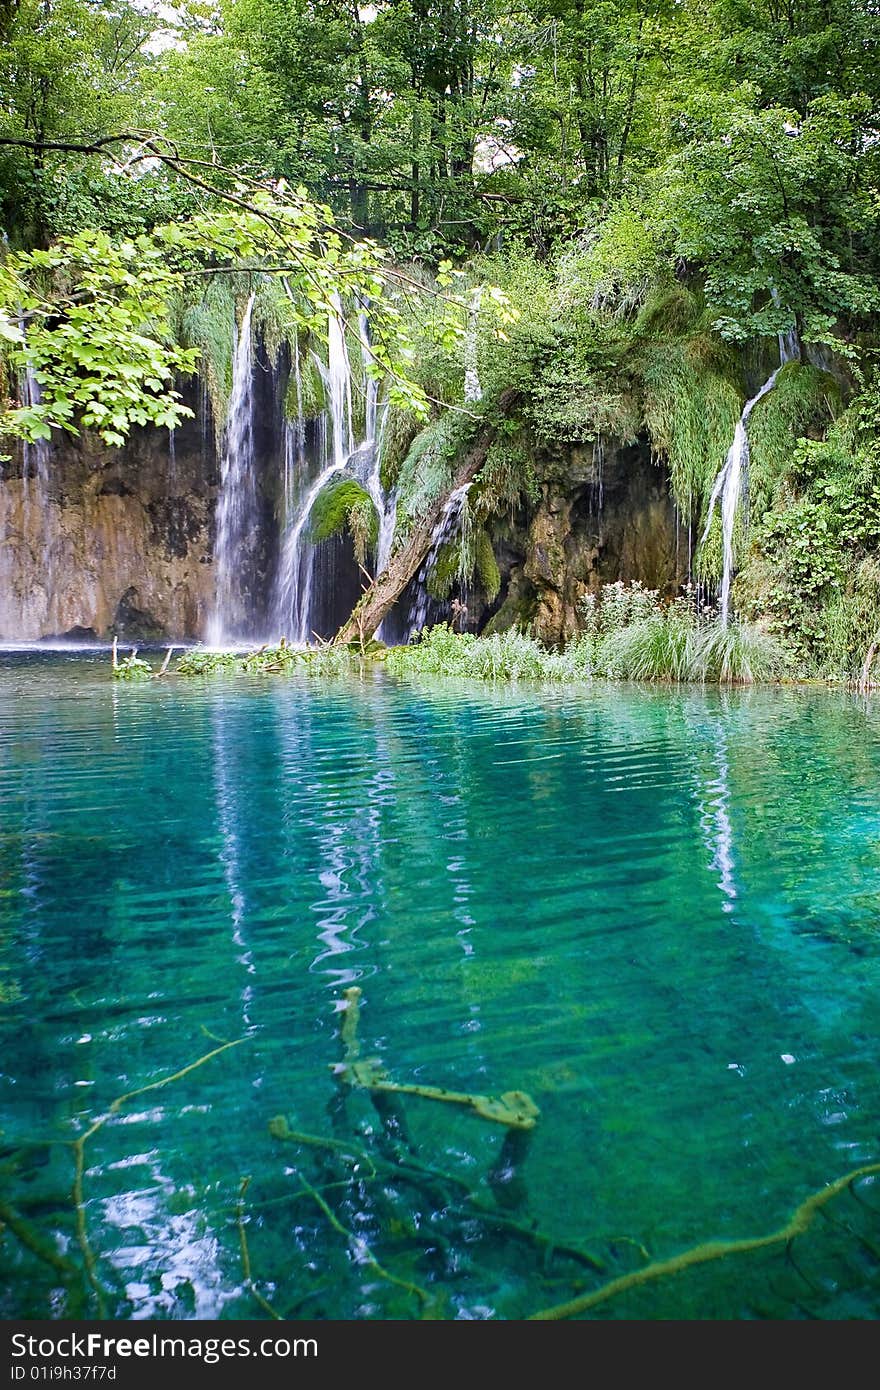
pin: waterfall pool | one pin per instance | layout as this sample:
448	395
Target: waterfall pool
653	911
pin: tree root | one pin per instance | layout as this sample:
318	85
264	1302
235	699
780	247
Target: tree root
421	1176
709	1251
849	1230
516	1109
33	1240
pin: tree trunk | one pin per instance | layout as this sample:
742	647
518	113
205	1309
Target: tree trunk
380	597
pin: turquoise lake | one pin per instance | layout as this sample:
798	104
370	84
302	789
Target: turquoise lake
656	912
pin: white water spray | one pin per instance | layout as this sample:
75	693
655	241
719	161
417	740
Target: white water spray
731	484
473	390
237	517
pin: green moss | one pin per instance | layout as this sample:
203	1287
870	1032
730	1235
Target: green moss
310	398
486	565
399	429
691	403
207	323
345	506
668	312
507	479
429	467
275	314
444	571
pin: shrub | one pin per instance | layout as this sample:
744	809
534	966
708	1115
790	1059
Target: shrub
633	635
735	655
656	648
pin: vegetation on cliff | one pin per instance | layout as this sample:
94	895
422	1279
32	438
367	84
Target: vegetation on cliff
656	193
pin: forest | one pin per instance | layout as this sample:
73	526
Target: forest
629	214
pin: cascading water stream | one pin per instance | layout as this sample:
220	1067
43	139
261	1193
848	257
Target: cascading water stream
450	525
294	589
291	608
370	384
295	584
732	481
338	382
385	504
29	537
237	512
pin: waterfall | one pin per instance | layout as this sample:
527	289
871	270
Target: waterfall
36	514
293	598
237	518
731	483
338	383
451	523
29	537
385	504
338	453
473	391
597	484
370	384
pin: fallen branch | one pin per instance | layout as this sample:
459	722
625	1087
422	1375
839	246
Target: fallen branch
383	592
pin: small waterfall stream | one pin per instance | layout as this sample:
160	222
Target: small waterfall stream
450	525
293	600
237	513
731	484
29	538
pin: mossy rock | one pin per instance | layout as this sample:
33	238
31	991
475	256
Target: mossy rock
345	506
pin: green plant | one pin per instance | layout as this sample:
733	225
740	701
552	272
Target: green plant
738	654
204	663
659	647
509	655
633	635
132	668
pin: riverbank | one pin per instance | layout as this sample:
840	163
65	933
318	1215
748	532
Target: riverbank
645	652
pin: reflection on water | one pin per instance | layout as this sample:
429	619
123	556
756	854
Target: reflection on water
654	912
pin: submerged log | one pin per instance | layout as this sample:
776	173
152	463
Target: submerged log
380	597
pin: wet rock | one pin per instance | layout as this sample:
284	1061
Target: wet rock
604	514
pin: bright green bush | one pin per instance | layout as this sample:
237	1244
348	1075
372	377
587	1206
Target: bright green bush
509	655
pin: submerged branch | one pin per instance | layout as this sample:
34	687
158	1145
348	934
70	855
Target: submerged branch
707	1252
79	1147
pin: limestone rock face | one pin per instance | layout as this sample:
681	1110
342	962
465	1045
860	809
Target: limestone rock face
95	540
